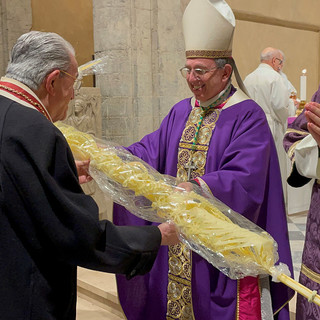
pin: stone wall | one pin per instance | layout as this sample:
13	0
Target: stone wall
15	19
144	45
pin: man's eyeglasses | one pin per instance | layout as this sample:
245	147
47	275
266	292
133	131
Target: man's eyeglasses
77	80
198	72
280	61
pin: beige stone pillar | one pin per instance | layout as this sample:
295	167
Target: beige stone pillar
15	19
144	45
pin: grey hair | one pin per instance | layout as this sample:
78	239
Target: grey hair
35	55
221	62
266	56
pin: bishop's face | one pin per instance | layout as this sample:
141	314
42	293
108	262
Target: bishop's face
209	84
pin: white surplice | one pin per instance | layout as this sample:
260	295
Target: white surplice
268	89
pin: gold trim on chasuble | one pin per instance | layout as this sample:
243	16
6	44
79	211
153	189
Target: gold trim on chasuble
195	153
179	298
310	273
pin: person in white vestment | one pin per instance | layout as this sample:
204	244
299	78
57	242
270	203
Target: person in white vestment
292	91
267	87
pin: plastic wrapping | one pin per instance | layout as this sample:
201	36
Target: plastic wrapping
96	66
229	241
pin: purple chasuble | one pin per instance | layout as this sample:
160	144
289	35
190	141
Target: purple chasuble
316	96
310	268
242	170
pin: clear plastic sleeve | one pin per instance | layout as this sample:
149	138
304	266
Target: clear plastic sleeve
226	239
96	66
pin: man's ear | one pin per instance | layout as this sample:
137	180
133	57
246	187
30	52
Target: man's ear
227	72
51	81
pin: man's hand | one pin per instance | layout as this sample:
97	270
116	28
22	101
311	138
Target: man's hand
169	235
185	186
312	114
83	171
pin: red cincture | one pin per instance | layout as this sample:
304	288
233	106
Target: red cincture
23	95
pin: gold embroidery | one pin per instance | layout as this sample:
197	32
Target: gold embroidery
189	133
179	294
199	154
194	116
208	54
310	273
177	279
200	159
291	151
290	130
179	287
37	105
175	290
175	265
238	299
177	249
188	146
204	135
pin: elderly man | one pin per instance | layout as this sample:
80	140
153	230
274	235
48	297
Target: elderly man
302	142
219	140
48	225
267	87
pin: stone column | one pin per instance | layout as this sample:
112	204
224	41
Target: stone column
15	19
143	42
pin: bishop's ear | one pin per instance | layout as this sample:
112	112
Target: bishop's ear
227	72
51	81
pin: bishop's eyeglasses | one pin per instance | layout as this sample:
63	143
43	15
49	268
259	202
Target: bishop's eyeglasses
198	72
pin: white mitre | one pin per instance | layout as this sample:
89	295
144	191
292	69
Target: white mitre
208	28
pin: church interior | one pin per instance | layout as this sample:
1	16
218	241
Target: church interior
142	45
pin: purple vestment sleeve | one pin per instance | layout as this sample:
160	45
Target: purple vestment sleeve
310	269
242	170
316	96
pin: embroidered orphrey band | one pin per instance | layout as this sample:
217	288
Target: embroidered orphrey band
179	293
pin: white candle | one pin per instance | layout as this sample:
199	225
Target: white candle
303	86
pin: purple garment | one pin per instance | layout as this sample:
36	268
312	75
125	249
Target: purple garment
311	250
242	170
316	96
